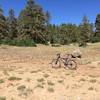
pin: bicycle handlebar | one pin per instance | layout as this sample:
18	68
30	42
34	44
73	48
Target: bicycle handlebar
58	55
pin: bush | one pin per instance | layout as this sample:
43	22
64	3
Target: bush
44	43
95	39
27	42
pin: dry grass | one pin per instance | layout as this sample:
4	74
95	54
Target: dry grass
39	86
21	88
30	66
46	75
2	98
1	81
93	76
51	90
60	81
93	81
13	78
82	80
40	80
50	83
28	79
91	88
24	91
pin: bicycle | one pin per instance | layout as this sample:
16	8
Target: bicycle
67	61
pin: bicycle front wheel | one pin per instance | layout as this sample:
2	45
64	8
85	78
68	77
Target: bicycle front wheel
71	64
56	63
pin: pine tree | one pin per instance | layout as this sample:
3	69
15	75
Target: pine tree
85	31
64	34
32	22
12	25
47	18
2	25
69	33
97	25
53	35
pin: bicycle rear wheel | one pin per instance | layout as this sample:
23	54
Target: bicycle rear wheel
71	64
56	63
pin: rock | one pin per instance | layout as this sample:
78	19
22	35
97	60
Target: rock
77	53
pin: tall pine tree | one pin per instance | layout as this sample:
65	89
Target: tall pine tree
32	22
12	25
3	33
85	31
97	25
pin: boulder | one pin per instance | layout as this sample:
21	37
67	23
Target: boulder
77	53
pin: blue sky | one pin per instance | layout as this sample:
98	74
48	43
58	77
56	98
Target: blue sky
62	11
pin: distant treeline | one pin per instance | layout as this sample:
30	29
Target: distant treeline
33	26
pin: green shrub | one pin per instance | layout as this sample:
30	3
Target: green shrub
95	39
45	43
27	42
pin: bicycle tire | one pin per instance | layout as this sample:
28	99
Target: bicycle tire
56	63
71	64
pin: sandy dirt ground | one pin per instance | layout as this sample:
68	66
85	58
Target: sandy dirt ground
26	74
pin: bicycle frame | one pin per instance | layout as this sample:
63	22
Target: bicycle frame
64	60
